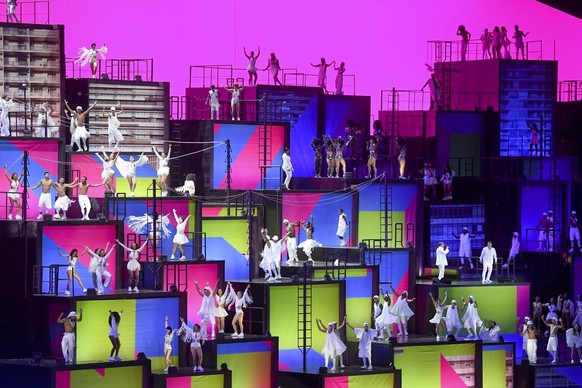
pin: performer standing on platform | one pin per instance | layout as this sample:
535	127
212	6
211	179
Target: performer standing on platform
13	195
63	202
207	309
514	251
114	136
317	144
438	319
45	125
465	246
365	337
168	344
574	231
212	100
108	174
488	257
339	157
84	202
102	271
465	38
447	181
430	181
534	141
128	170
114	320
441	259
537	312
385	320
240	300
518	35
574	342
551	230
220	311
235	101
45	196
94	266
163	169
543	226
72	269
5	105
434	87
339	79
252	67
194	336
291	240
471	318
322	76
81	134
401	146
274	66
180	238
578	315
532	343
552	347
330	156
522	331
10	11
567	310
271	254
188	189
68	341
496	43
402	310
505	42
377	311
342	226
372	156
287	167
486	43
333	346
309	244
452	319
90	56
133	266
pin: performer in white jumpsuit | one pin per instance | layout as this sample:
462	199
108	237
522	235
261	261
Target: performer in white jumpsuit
365	337
514	250
287	167
5	105
207	309
441	259
342	226
212	100
114	136
465	246
488	257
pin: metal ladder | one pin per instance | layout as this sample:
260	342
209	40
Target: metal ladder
386	213
443	55
304	316
178	272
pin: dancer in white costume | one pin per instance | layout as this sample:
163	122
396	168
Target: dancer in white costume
235	101
441	259
83	197
514	250
240	300
578	313
81	134
90	56
133	266
568	311
471	318
322	75
71	269
518	35
207	309
212	100
333	346
287	167
271	256
377	311
532	343
496	43
447	181
98	267
128	170
193	336
552	308
10	11
438	319
108	174
574	342
554	326
522	331
5	105
45	199
68	341
220	311
188	189
429	181
486	43
45	125
274	66
574	231
402	310
339	79
94	263
114	136
163	169
452	319
465	246
13	195
342	226
168	338
291	240
309	244
505	42
114	321
490	331
180	238
372	148
385	320
401	146
434	87
488	258
365	337
252	67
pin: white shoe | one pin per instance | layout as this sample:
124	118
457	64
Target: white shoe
405	332
505	266
173	257
135	289
128	289
332	369
18	217
132	194
370	367
84	290
234	335
364	367
67	292
342	243
9	216
166	370
241	335
39	217
183	258
200	369
483	282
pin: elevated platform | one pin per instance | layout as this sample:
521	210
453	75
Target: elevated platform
185	377
545	374
350	376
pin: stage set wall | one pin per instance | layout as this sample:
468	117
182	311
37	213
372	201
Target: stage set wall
311	379
210	379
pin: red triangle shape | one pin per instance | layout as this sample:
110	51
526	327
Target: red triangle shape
101	371
449	377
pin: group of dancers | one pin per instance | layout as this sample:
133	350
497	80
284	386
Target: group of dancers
494	44
488	257
430	182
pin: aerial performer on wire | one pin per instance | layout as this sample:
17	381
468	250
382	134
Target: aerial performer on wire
89	55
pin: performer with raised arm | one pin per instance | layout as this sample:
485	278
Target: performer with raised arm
128	170
385	320
5	105
438	319
287	167
133	266
212	100
309	244
163	169
441	259
574	231
518	35
98	267
84	202
63	202
13	195
235	101
274	66
471	318
322	75
465	246
490	331
339	78
81	134
434	86
220	311
240	300
465	38
365	337
180	238
342	226
168	338
252	67
114	321
68	341
447	181
452	319
376	311
514	250
193	336
90	56
532	343
488	257
574	342
317	145
534	141
333	346
114	136
45	196
207	309
108	174
402	310
291	240
72	269
552	348
271	255
45	125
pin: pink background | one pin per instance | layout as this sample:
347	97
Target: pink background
382	42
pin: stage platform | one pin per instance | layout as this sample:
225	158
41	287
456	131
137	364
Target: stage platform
23	373
292	269
544	374
347	377
185	377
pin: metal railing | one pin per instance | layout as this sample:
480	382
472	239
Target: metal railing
115	69
30	12
533	50
193	108
419	100
570	90
542	240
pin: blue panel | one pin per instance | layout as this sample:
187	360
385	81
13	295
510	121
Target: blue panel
236	266
244	347
149	324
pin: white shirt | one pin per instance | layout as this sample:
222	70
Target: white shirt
286	162
213	97
488	255
441	255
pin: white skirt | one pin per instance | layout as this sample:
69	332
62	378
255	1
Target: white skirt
220	312
164	170
133	265
81	133
180	238
437	317
63	203
107	173
13	195
552	344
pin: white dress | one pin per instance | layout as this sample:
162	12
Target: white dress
471	317
133	263
207	308
365	339
13	192
163	169
107	169
452	319
573	340
386	317
235	96
220	312
342	225
401	309
465	245
180	237
438	315
333	345
552	313
252	65
72	262
268	255
113	132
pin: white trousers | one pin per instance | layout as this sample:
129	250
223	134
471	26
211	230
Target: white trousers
532	348
45	199
68	346
214	109
441	271
487	268
84	204
292	248
288	176
100	274
575	235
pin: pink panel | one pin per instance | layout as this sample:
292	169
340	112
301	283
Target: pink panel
337	382
179	382
63	379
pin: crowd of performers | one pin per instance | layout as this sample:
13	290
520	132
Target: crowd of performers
495	43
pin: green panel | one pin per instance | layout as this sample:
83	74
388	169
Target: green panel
130	376
494	369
